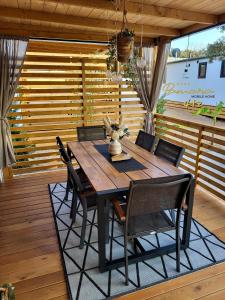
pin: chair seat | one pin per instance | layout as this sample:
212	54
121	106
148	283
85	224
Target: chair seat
148	223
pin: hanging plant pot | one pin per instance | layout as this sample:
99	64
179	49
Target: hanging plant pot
125	44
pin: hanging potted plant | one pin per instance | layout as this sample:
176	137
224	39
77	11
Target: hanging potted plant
125	44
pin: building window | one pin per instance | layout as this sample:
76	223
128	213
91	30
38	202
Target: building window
202	67
222	71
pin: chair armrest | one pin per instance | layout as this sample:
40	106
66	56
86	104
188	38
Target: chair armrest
118	209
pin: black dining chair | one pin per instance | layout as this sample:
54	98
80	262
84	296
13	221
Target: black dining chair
66	159
91	133
87	198
172	153
146	140
147	210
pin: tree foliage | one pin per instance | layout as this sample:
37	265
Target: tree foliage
216	49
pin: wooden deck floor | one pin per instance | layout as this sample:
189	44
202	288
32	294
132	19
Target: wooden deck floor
29	255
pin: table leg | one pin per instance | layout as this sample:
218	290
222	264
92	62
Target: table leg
188	215
101	209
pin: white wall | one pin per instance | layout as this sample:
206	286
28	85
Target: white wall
184	86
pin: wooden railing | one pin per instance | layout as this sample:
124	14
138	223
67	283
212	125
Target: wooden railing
204	150
192	106
62	86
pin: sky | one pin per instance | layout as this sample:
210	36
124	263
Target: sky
198	40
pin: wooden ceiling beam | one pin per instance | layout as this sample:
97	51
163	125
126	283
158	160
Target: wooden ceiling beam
146	10
193	28
221	18
36	31
83	22
197	27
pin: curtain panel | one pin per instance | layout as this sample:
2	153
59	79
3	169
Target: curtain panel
149	79
12	53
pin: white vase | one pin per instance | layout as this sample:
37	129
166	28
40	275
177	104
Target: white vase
115	147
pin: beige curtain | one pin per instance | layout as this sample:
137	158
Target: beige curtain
149	79
12	53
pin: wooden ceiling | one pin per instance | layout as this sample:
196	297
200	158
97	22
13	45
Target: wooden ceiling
98	20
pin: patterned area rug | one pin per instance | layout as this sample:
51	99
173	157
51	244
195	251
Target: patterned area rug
81	266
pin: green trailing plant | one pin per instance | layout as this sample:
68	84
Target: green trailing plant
213	113
130	71
112	54
160	107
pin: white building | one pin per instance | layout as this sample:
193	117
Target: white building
195	79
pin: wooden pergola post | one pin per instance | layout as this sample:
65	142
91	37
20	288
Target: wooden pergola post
7	173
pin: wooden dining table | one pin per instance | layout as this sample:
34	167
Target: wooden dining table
108	182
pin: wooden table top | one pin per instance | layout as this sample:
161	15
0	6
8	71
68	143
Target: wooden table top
105	178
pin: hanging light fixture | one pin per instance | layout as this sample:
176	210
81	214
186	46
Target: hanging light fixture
141	63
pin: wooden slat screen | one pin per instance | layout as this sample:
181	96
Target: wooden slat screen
62	86
204	150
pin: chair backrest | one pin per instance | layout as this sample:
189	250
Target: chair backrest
74	178
154	195
146	140
90	133
64	156
59	142
170	152
62	151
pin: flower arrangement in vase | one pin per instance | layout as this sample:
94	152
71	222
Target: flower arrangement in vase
116	132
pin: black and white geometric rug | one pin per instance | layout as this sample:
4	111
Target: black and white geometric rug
81	266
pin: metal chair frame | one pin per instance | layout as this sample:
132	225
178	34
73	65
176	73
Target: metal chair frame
171	183
83	193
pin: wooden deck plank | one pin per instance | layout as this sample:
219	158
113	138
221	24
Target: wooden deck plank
39	282
29	248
